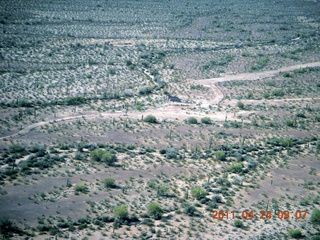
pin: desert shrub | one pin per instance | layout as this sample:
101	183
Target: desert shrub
150	119
163	190
240	105
24	103
250	94
74	100
128	62
261	63
149	222
220	155
162	150
152	183
295	233
105	156
153	71
8	228
318	146
277	93
17	148
145	90
120	212
206	120
188	208
238	223
266	95
128	93
171	153
112	71
81	188
198	192
316	237
109	182
154	210
192	120
236	167
315	216
289	123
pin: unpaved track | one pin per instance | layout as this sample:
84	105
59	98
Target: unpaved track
175	111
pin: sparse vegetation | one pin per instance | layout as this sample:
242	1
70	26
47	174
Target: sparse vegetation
129	121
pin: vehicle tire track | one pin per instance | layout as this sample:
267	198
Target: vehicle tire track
211	83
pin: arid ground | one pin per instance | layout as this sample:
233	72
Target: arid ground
160	119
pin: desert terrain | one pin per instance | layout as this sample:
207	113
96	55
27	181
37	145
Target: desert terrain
160	119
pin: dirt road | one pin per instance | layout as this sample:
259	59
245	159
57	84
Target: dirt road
175	111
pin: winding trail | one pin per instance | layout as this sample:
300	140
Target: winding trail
175	110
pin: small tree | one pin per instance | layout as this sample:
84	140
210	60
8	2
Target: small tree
163	190
150	119
154	210
220	155
109	182
109	158
198	192
105	156
120	212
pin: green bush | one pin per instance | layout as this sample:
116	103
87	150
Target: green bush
145	90
76	100
290	123
198	192
192	120
163	190
81	188
295	233
120	212
236	167
171	153
109	182
238	223
220	155
315	216
154	210
8	228
206	120
150	119
105	156
278	93
240	105
188	208
261	63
